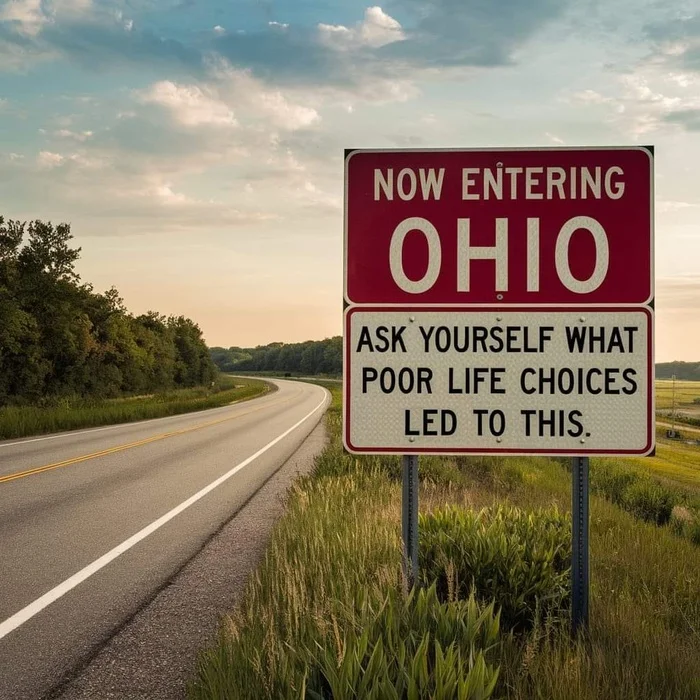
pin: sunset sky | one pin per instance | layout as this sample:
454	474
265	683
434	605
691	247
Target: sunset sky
196	146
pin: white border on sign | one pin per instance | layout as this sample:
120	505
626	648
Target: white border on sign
552	149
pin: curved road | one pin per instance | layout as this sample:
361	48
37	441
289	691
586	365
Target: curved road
94	522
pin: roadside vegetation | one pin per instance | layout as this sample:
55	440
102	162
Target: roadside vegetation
311	358
71	413
59	338
327	614
73	358
684	395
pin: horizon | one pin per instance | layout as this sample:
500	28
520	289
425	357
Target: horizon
197	149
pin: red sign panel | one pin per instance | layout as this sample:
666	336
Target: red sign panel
524	226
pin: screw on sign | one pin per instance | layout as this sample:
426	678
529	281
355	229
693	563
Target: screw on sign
530	226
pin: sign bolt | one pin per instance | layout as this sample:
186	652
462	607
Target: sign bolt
411	439
582	441
412	319
582	319
498	318
499	297
499	439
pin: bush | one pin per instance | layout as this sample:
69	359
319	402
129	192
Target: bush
648	501
412	647
636	493
520	560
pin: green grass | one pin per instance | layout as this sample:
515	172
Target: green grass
686	393
73	413
333	567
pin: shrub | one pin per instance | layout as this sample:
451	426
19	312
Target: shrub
648	501
412	647
520	560
611	480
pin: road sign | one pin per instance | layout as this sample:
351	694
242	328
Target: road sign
545	226
575	381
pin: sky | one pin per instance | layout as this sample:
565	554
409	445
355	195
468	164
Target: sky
196	146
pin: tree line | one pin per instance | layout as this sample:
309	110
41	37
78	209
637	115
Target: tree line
308	358
687	371
59	337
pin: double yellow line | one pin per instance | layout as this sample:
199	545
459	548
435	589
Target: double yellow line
138	443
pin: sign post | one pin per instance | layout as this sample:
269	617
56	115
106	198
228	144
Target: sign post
409	519
579	551
500	302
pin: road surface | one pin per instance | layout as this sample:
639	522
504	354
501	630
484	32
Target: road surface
93	523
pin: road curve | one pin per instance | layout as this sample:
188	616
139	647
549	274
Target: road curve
94	522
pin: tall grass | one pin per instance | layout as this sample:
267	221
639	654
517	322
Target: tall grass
310	624
70	413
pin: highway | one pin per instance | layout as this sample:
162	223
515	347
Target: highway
94	522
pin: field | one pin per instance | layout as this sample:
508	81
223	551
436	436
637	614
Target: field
687	399
327	614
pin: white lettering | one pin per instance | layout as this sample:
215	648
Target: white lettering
415	223
466	253
602	255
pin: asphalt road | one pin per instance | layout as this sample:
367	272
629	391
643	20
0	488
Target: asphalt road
94	523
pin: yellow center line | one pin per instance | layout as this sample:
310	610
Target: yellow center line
138	443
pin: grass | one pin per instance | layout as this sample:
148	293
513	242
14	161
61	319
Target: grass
686	393
333	566
74	413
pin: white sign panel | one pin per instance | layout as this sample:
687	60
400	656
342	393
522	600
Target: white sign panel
557	381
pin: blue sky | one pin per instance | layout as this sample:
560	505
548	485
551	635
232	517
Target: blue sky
196	145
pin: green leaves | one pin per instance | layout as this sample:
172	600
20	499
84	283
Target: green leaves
519	560
412	647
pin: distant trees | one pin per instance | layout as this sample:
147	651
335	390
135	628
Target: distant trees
310	357
688	371
59	337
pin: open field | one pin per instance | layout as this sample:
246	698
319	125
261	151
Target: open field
305	627
74	413
687	399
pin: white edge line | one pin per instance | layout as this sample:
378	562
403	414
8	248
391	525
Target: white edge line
26	613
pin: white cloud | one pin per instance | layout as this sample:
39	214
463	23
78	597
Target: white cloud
27	15
375	30
81	136
48	160
190	104
279	25
219	30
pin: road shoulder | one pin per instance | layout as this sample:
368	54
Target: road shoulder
154	655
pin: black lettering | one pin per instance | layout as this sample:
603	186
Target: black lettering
428	420
496	334
365	339
523	387
575	338
407	424
445	428
628	375
396	338
496	378
611	380
479	338
578	431
528	413
631	330
479	413
426	337
369	374
425	378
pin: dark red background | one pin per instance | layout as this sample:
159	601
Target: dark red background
627	222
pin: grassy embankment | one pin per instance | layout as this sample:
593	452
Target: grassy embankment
326	611
73	413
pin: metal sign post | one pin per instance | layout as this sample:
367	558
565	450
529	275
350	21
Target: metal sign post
409	518
579	550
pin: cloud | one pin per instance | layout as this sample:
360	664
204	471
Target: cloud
647	99
189	104
677	42
375	30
